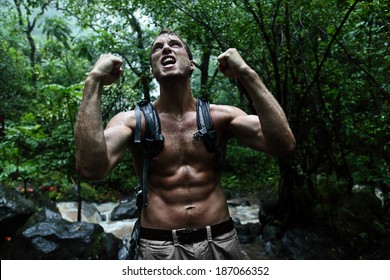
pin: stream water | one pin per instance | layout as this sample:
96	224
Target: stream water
100	214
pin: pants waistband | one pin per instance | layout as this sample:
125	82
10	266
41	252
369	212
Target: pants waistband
186	236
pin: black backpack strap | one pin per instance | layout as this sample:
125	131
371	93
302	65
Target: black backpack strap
134	241
153	140
206	128
152	144
137	132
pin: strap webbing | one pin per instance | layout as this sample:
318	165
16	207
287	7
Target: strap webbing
144	182
137	133
206	128
152	145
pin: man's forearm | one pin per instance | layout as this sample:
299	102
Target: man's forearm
273	121
91	149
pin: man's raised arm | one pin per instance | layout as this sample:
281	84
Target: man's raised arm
99	150
269	132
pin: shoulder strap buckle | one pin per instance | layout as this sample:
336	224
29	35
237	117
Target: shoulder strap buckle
199	134
206	128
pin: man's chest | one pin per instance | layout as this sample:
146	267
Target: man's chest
179	143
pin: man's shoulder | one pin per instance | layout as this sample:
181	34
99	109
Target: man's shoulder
225	110
125	115
126	118
224	115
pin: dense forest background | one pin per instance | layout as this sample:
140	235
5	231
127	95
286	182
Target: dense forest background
327	63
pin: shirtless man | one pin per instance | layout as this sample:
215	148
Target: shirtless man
184	179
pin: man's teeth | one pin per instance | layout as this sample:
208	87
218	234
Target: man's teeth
168	60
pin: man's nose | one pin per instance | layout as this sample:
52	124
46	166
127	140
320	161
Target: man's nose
166	49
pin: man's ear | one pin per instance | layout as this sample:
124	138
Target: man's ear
192	67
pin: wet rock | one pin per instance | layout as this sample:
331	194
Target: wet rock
247	233
272	232
271	236
45	236
302	244
126	210
14	211
274	250
89	212
269	212
44	215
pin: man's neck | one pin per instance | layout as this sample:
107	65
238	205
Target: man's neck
175	97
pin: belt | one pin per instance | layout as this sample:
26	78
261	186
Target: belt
186	236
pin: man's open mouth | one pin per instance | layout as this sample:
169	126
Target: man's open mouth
168	61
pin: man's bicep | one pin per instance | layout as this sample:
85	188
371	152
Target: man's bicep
117	139
117	134
247	130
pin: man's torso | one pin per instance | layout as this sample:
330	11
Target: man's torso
184	179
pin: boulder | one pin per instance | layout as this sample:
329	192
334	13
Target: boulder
14	211
247	233
125	210
46	236
301	244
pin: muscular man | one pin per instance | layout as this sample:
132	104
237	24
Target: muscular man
187	216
